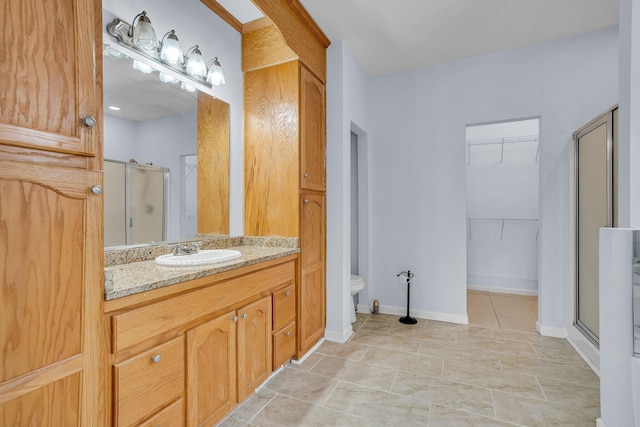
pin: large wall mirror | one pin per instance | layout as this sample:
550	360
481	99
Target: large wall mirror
166	146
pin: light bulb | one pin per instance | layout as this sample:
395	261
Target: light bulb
187	87
215	76
144	36
171	53
195	63
165	78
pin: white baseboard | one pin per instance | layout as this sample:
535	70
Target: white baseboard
502	290
339	337
364	308
585	348
552	331
425	314
600	423
504	284
308	353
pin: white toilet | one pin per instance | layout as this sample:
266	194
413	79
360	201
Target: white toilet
357	284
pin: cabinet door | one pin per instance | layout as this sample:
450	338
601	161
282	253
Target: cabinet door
48	71
211	370
311	305
312	131
254	346
50	296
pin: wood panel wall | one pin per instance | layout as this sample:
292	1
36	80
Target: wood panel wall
213	165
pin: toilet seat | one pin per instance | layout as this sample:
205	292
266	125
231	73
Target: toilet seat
357	284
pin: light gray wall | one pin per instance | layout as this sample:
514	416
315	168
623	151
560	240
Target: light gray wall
415	128
346	110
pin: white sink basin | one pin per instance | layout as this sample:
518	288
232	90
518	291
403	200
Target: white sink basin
211	256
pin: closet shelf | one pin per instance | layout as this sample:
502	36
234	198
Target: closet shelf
503	221
502	142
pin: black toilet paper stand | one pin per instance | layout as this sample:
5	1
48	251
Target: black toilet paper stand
407	320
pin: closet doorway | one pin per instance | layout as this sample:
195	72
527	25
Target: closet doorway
502	217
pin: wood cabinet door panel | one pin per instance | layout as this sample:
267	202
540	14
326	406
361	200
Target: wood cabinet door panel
254	346
56	404
312	131
312	297
211	370
53	74
50	293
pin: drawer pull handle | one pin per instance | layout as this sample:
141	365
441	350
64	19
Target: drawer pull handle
286	294
156	358
287	333
244	316
234	318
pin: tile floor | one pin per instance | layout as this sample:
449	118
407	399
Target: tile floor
491	373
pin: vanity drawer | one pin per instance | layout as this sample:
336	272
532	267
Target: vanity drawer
284	345
147	382
171	416
284	306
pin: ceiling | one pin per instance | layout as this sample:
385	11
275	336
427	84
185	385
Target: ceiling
388	36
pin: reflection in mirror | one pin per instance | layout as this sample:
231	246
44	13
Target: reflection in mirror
154	123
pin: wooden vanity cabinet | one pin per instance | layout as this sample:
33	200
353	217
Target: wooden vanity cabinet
224	329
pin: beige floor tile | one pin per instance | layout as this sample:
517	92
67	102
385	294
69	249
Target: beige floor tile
233	422
356	372
302	385
510	382
483	319
514	335
253	405
406	361
531	412
381	408
350	350
571	395
475	330
578	373
479	357
374	327
522	324
308	363
393	342
443	392
562	352
497	345
441	416
506	299
284	411
521	308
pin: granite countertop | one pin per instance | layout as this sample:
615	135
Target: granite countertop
130	278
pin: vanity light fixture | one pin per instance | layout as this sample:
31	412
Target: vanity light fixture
139	41
195	64
143	34
187	87
171	53
215	76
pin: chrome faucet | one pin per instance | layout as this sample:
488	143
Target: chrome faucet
189	248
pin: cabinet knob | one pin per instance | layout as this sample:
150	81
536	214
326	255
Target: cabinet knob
96	189
287	293
244	315
234	318
306	175
156	358
305	201
88	121
287	333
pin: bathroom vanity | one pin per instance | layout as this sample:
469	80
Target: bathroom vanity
190	343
